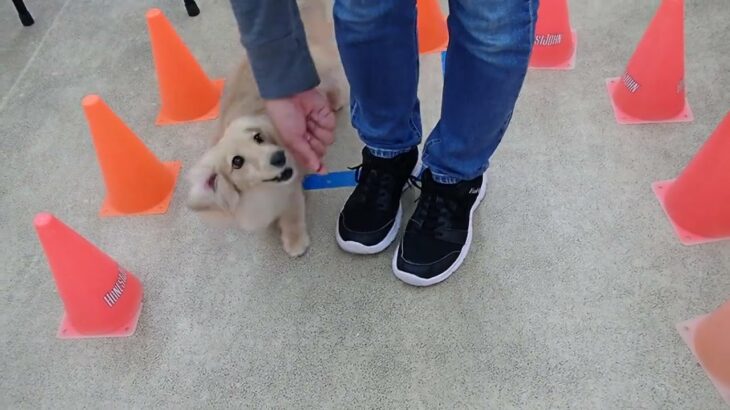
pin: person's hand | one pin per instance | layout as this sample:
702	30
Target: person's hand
306	125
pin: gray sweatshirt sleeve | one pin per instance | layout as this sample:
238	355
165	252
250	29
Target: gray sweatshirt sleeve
273	35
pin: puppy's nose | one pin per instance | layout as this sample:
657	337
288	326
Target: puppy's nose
278	159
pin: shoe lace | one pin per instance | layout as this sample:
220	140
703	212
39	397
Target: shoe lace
374	186
435	210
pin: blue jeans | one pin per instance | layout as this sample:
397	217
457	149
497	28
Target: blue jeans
488	52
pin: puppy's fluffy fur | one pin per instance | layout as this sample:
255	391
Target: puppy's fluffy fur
247	178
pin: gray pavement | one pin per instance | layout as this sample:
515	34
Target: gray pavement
568	299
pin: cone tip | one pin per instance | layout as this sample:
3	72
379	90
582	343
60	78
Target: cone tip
90	100
42	219
152	13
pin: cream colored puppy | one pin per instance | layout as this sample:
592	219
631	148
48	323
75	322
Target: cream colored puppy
247	177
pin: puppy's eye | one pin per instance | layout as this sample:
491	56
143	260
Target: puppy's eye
257	137
237	162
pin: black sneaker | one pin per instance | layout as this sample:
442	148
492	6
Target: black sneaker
438	236
370	219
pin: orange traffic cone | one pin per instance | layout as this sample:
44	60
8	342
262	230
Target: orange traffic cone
698	201
555	40
652	87
186	92
136	181
433	33
708	337
100	297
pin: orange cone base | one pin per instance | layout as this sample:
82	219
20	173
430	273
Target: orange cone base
623	118
67	331
660	189
687	331
108	210
567	65
210	115
438	49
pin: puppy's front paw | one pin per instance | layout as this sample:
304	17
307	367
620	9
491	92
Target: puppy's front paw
295	244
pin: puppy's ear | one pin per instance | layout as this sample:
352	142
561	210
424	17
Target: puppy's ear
203	181
226	195
210	191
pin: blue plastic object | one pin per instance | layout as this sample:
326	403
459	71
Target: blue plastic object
332	180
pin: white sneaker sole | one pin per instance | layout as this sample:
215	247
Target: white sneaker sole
360	249
414	280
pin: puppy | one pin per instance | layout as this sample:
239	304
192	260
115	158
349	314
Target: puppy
246	177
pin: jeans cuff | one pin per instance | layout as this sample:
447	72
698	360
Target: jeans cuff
448	179
444	179
388	153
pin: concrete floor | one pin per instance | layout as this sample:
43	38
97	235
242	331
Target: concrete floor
568	299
